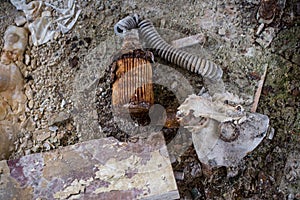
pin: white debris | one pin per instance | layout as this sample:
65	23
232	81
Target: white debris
20	20
222	31
271	133
222	134
188	41
53	128
266	37
42	24
63	103
205	107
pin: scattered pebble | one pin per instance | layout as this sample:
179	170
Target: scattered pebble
20	20
53	128
59	118
63	103
222	31
43	135
179	175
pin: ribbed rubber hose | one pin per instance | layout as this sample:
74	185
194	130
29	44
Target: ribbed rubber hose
193	63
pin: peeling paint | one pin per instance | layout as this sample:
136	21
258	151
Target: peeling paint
97	169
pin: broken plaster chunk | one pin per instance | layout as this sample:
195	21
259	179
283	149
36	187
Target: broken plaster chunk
15	42
266	37
27	59
53	128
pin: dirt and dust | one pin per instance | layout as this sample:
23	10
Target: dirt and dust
271	171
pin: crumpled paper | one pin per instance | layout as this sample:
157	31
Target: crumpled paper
222	134
41	22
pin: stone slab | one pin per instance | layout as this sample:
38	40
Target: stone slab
96	169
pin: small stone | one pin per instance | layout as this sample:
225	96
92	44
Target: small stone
27	59
46	13
291	196
28	124
22	118
27	152
260	29
271	133
162	23
56	35
53	128
20	20
43	135
69	126
250	52
196	170
63	103
30	104
58	118
29	144
174	85
47	146
179	175
222	31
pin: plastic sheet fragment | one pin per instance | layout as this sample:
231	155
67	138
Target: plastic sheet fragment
42	23
222	134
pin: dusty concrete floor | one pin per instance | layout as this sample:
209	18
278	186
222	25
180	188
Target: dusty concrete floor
272	171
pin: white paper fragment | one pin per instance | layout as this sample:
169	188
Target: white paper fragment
42	24
222	134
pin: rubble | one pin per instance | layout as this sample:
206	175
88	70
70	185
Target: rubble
50	76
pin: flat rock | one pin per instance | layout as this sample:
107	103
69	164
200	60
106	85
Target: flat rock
97	169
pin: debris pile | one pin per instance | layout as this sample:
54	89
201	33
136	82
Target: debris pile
222	131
